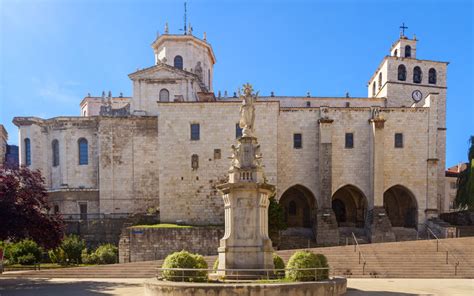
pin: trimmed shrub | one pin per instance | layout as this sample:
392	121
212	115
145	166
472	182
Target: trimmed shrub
106	254
184	259
25	252
323	261
279	264
304	259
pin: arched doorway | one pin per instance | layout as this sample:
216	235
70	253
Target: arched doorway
299	204
401	207
350	206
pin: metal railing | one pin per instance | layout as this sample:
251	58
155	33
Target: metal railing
445	249
237	275
361	255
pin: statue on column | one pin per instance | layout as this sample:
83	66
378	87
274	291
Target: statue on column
247	111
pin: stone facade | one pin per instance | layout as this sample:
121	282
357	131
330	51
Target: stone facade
334	161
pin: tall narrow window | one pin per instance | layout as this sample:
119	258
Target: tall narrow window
27	152
349	140
83	210
209	79
408	51
395	53
380	80
83	151
373	89
238	131
402	73
55	150
195	133
178	62
398	140
164	95
432	76
417	75
297	141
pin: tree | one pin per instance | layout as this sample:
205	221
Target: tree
276	216
465	193
24	212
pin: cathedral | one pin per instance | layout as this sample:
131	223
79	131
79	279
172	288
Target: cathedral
372	163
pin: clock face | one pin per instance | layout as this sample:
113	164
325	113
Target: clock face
416	96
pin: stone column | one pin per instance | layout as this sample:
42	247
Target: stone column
326	229
377	224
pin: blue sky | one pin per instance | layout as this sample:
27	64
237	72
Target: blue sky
52	53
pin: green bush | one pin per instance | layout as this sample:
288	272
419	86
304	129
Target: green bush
91	258
305	259
278	263
185	259
106	254
216	264
72	246
323	262
25	252
57	256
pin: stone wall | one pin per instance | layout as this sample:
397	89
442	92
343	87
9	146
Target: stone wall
144	244
128	162
193	191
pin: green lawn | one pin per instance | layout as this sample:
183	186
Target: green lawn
162	225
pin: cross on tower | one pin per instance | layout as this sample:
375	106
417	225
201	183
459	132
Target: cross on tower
402	30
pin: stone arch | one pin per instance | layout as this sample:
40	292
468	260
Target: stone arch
401	206
300	206
350	206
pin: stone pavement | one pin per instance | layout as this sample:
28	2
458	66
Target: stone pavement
129	287
395	287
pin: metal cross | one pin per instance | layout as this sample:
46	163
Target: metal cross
402	29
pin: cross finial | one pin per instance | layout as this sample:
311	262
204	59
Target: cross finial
402	30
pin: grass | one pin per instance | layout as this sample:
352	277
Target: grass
162	225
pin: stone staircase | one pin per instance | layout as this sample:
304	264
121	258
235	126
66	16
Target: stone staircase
345	236
412	259
297	238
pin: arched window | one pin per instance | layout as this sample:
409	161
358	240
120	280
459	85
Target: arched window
292	208
164	95
417	75
402	73
55	148
380	80
178	62
408	51
373	89
83	151
395	53
432	76
27	152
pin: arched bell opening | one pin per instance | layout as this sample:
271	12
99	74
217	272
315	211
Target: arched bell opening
300	206
350	206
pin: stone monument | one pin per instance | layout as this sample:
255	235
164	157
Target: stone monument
246	244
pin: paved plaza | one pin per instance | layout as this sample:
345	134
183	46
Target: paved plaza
129	287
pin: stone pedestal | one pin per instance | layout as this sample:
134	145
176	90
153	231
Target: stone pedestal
246	244
327	231
378	226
